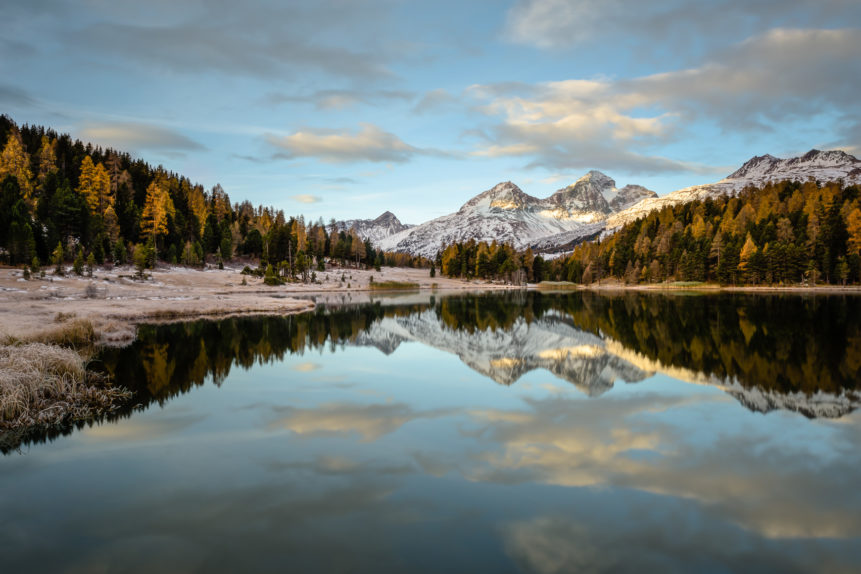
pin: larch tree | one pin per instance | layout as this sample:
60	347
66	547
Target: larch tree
94	184
47	158
158	206
357	247
747	251
14	161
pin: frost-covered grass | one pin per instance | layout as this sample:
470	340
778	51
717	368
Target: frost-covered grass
47	384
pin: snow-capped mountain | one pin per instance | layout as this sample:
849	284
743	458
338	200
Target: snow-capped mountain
818	165
591	206
374	229
506	214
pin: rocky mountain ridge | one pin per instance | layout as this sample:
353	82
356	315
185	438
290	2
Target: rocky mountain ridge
822	166
507	214
386	225
590	207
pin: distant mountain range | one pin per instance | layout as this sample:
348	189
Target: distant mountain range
591	206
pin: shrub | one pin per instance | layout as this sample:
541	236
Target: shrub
272	278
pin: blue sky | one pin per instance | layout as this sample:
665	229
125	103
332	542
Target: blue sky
346	108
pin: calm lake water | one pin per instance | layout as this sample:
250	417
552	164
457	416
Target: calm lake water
519	432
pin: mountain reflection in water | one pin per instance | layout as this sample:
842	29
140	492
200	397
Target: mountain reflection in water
768	351
370	437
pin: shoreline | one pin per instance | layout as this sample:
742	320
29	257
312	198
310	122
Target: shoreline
706	288
51	326
115	303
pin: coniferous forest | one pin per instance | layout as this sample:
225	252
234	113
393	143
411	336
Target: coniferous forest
785	233
65	201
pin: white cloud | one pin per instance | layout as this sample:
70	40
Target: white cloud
370	143
754	87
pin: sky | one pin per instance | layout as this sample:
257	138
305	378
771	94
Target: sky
347	108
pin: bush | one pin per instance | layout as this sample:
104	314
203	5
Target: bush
143	258
271	278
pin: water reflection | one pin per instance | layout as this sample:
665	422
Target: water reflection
797	353
321	453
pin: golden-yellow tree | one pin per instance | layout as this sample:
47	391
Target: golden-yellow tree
747	251
14	161
47	158
94	184
158	206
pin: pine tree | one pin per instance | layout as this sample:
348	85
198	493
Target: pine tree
853	226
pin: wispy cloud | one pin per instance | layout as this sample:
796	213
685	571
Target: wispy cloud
662	24
369	143
14	96
306	198
341	99
254	39
434	101
138	136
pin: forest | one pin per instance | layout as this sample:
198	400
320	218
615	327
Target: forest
785	233
65	201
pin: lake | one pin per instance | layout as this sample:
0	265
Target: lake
514	432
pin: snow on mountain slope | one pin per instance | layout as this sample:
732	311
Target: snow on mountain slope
374	229
506	214
821	166
589	206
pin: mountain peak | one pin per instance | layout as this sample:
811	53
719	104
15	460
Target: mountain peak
596	176
504	195
769	167
592	192
387	216
834	155
756	164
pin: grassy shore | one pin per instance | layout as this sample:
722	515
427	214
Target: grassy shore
46	382
393	285
51	326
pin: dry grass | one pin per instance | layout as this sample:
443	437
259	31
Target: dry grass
47	385
72	333
554	285
385	285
